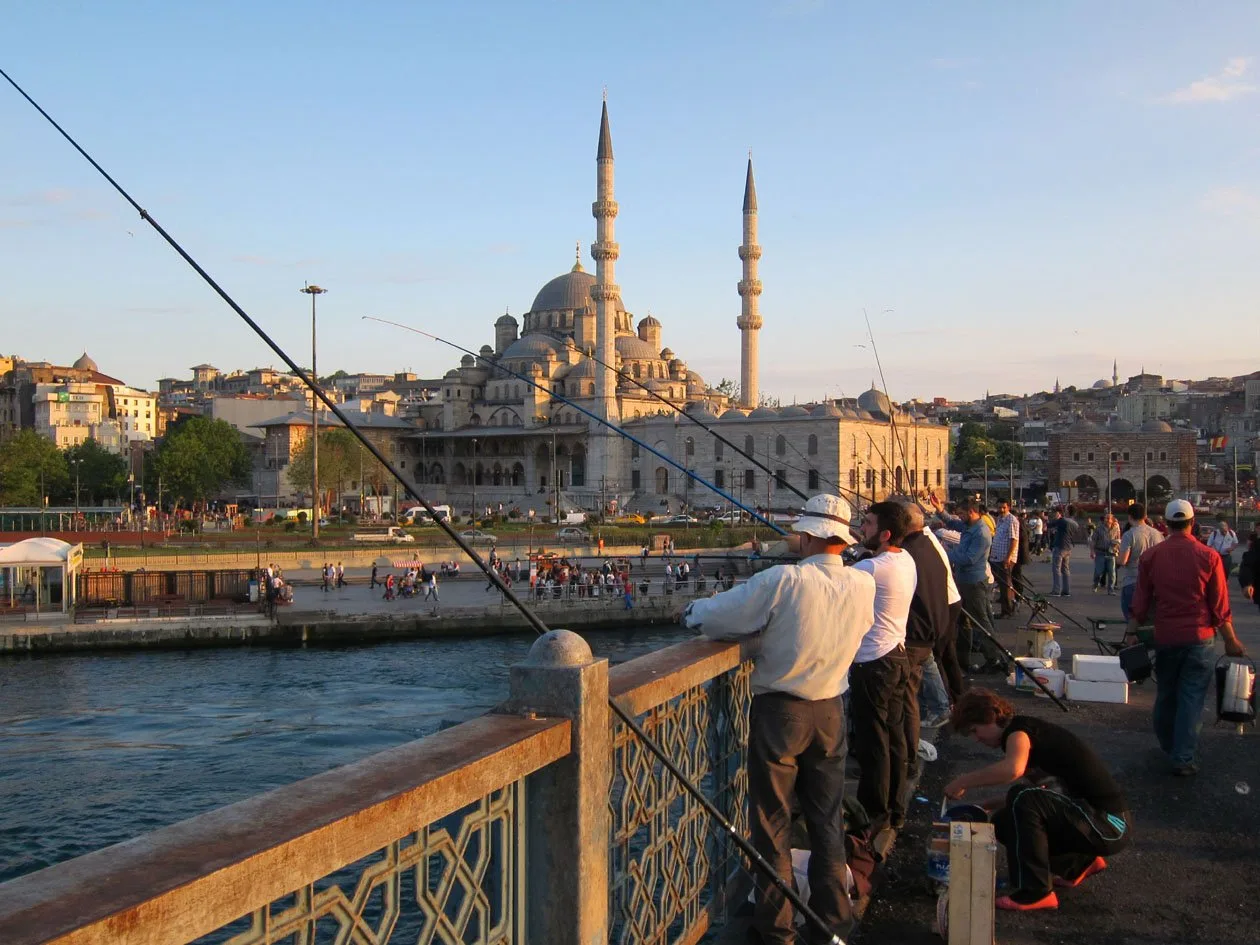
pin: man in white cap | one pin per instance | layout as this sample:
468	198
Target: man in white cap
810	618
1183	583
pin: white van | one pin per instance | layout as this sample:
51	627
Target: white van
416	515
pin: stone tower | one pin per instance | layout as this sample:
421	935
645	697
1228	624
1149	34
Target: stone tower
603	446
749	320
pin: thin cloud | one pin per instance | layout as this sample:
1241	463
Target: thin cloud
1230	202
1226	86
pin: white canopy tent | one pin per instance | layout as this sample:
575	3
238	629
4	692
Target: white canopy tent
51	562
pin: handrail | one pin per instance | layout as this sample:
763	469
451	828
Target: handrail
657	677
186	880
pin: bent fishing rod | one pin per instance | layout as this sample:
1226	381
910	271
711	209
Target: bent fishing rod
620	431
626	376
533	619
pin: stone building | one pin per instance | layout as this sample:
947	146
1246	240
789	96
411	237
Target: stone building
1153	459
492	437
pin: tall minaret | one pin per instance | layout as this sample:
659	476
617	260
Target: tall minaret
749	320
605	291
1115	374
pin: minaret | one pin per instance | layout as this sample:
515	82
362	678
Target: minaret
749	320
1115	374
605	291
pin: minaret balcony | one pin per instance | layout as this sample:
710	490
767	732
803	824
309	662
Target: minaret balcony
601	250
604	208
750	252
605	292
749	287
748	323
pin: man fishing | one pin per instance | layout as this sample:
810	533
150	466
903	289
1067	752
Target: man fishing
810	618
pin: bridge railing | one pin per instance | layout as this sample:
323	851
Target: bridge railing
544	822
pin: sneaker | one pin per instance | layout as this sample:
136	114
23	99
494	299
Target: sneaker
1065	594
1025	903
1097	588
1188	770
935	721
1097	866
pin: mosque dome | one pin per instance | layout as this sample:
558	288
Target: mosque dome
826	410
569	292
467	361
506	320
533	345
634	349
764	413
732	413
667	354
1120	426
793	411
1157	426
864	414
1084	426
1102	383
584	368
699	410
875	401
85	363
648	321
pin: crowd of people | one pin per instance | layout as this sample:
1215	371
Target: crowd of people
864	655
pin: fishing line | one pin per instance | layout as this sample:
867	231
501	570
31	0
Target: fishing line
892	420
534	621
598	419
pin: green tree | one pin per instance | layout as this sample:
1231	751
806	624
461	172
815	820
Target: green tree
199	457
22	460
339	466
101	473
975	441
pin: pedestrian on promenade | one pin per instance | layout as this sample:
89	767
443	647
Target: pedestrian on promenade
810	618
929	615
879	682
1138	538
372	585
1104	545
1249	568
341	575
1223	541
431	589
1061	539
945	650
969	559
1182	583
1055	835
325	577
1003	552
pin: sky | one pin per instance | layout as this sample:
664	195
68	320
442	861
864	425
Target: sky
1014	192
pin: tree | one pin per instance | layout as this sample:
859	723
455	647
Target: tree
975	441
339	452
199	457
22	460
100	472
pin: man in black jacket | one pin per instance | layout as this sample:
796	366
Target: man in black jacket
929	617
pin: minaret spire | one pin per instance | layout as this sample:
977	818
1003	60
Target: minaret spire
1115	374
606	294
749	286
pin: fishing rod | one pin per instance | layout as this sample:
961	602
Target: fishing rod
892	419
598	419
624	375
760	862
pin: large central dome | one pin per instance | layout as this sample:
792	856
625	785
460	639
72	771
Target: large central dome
567	293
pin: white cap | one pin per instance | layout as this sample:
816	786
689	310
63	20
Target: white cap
1178	510
826	516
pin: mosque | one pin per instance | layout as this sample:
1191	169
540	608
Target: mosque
491	437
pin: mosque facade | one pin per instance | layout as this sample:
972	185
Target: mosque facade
516	424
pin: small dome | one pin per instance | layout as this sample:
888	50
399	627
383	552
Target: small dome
732	413
533	345
506	319
667	354
85	363
486	351
793	411
864	414
826	410
1120	426
648	322
584	368
634	349
1157	426
1102	383
452	374
1084	426
875	401
699	410
764	413
466	361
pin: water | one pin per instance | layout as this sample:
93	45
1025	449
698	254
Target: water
95	749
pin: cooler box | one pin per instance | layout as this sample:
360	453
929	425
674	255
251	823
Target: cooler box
1054	679
1026	665
1032	639
1093	690
1098	669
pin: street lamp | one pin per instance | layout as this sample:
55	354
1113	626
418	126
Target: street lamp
987	457
475	516
77	464
312	291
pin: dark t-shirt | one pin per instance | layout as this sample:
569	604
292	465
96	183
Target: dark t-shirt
1060	535
1063	755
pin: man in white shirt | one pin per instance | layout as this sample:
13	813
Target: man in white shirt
881	671
1223	541
810	618
1139	537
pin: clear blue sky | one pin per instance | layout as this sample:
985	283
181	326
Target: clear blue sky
1033	188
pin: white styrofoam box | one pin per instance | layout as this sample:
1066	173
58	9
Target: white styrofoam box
1094	690
1054	679
1098	668
1030	664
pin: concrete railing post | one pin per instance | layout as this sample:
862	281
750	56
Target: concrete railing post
567	825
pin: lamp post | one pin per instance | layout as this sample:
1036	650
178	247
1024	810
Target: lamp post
312	291
987	457
77	464
475	516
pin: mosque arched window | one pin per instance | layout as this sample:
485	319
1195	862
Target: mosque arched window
813	480
689	446
812	448
780	445
591	388
749	446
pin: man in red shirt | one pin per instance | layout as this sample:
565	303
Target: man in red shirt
1183	583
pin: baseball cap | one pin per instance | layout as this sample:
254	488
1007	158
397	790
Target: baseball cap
826	516
1178	510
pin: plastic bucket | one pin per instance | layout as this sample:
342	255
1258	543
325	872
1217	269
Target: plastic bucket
1235	690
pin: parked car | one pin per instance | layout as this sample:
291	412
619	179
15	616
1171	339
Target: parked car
682	520
571	534
476	536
